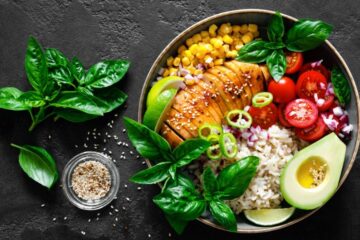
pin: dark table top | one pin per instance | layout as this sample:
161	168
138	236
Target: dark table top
138	31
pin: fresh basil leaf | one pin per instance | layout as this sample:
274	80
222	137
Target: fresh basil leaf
105	74
147	142
55	58
210	183
172	171
73	115
35	65
32	99
60	75
77	101
38	164
180	202
111	97
190	150
178	225
274	45
307	34
154	174
276	63
275	30
235	178
77	70
85	90
342	88
223	214
181	180
254	52
9	99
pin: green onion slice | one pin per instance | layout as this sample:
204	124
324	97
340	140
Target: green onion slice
228	145
262	99
239	119
209	129
214	151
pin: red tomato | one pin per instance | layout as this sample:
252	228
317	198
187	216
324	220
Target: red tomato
312	133
294	61
320	68
264	117
283	91
310	83
301	113
329	100
282	118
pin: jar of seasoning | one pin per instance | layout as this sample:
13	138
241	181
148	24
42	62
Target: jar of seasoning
90	180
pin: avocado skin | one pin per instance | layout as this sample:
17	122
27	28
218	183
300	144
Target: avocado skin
330	149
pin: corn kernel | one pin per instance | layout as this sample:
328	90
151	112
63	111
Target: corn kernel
188	54
217	43
227	39
244	28
181	49
215	54
218	62
236	28
189	42
206	39
173	71
231	54
176	62
238	46
204	34
256	34
200	55
198	71
226	48
247	37
193	48
197	38
253	28
212	30
208	59
189	81
169	61
185	61
208	47
225	29
191	69
166	73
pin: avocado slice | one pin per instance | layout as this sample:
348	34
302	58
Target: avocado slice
311	178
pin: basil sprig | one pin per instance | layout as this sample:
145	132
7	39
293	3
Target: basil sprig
154	147
181	203
341	86
304	35
38	164
63	88
179	199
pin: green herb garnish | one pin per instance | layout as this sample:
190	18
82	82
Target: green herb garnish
179	199
38	164
63	89
342	89
303	36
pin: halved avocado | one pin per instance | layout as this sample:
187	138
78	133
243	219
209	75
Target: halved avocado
310	179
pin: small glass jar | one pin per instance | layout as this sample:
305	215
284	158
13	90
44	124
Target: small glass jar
93	204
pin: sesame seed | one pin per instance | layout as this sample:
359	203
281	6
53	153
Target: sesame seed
42	205
127	199
124	130
83	233
65	218
125	185
54	219
89	220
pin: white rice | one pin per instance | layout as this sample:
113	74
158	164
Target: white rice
274	152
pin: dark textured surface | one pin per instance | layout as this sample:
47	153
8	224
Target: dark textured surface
136	30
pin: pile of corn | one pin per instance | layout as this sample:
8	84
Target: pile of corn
209	48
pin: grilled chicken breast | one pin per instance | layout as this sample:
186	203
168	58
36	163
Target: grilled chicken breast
222	89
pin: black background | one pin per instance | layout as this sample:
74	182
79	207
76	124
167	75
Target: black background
138	31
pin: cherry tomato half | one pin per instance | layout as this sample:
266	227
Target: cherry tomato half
283	91
282	118
310	83
301	113
294	61
319	68
264	117
312	133
329	100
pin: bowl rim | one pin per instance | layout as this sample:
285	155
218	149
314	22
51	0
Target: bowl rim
149	79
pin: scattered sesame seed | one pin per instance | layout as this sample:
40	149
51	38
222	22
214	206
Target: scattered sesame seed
149	235
42	205
143	162
114	225
54	219
98	214
49	136
76	146
124	130
123	208
139	188
83	233
131	152
127	199
116	219
169	234
116	210
97	219
65	218
125	185
110	213
89	220
111	206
